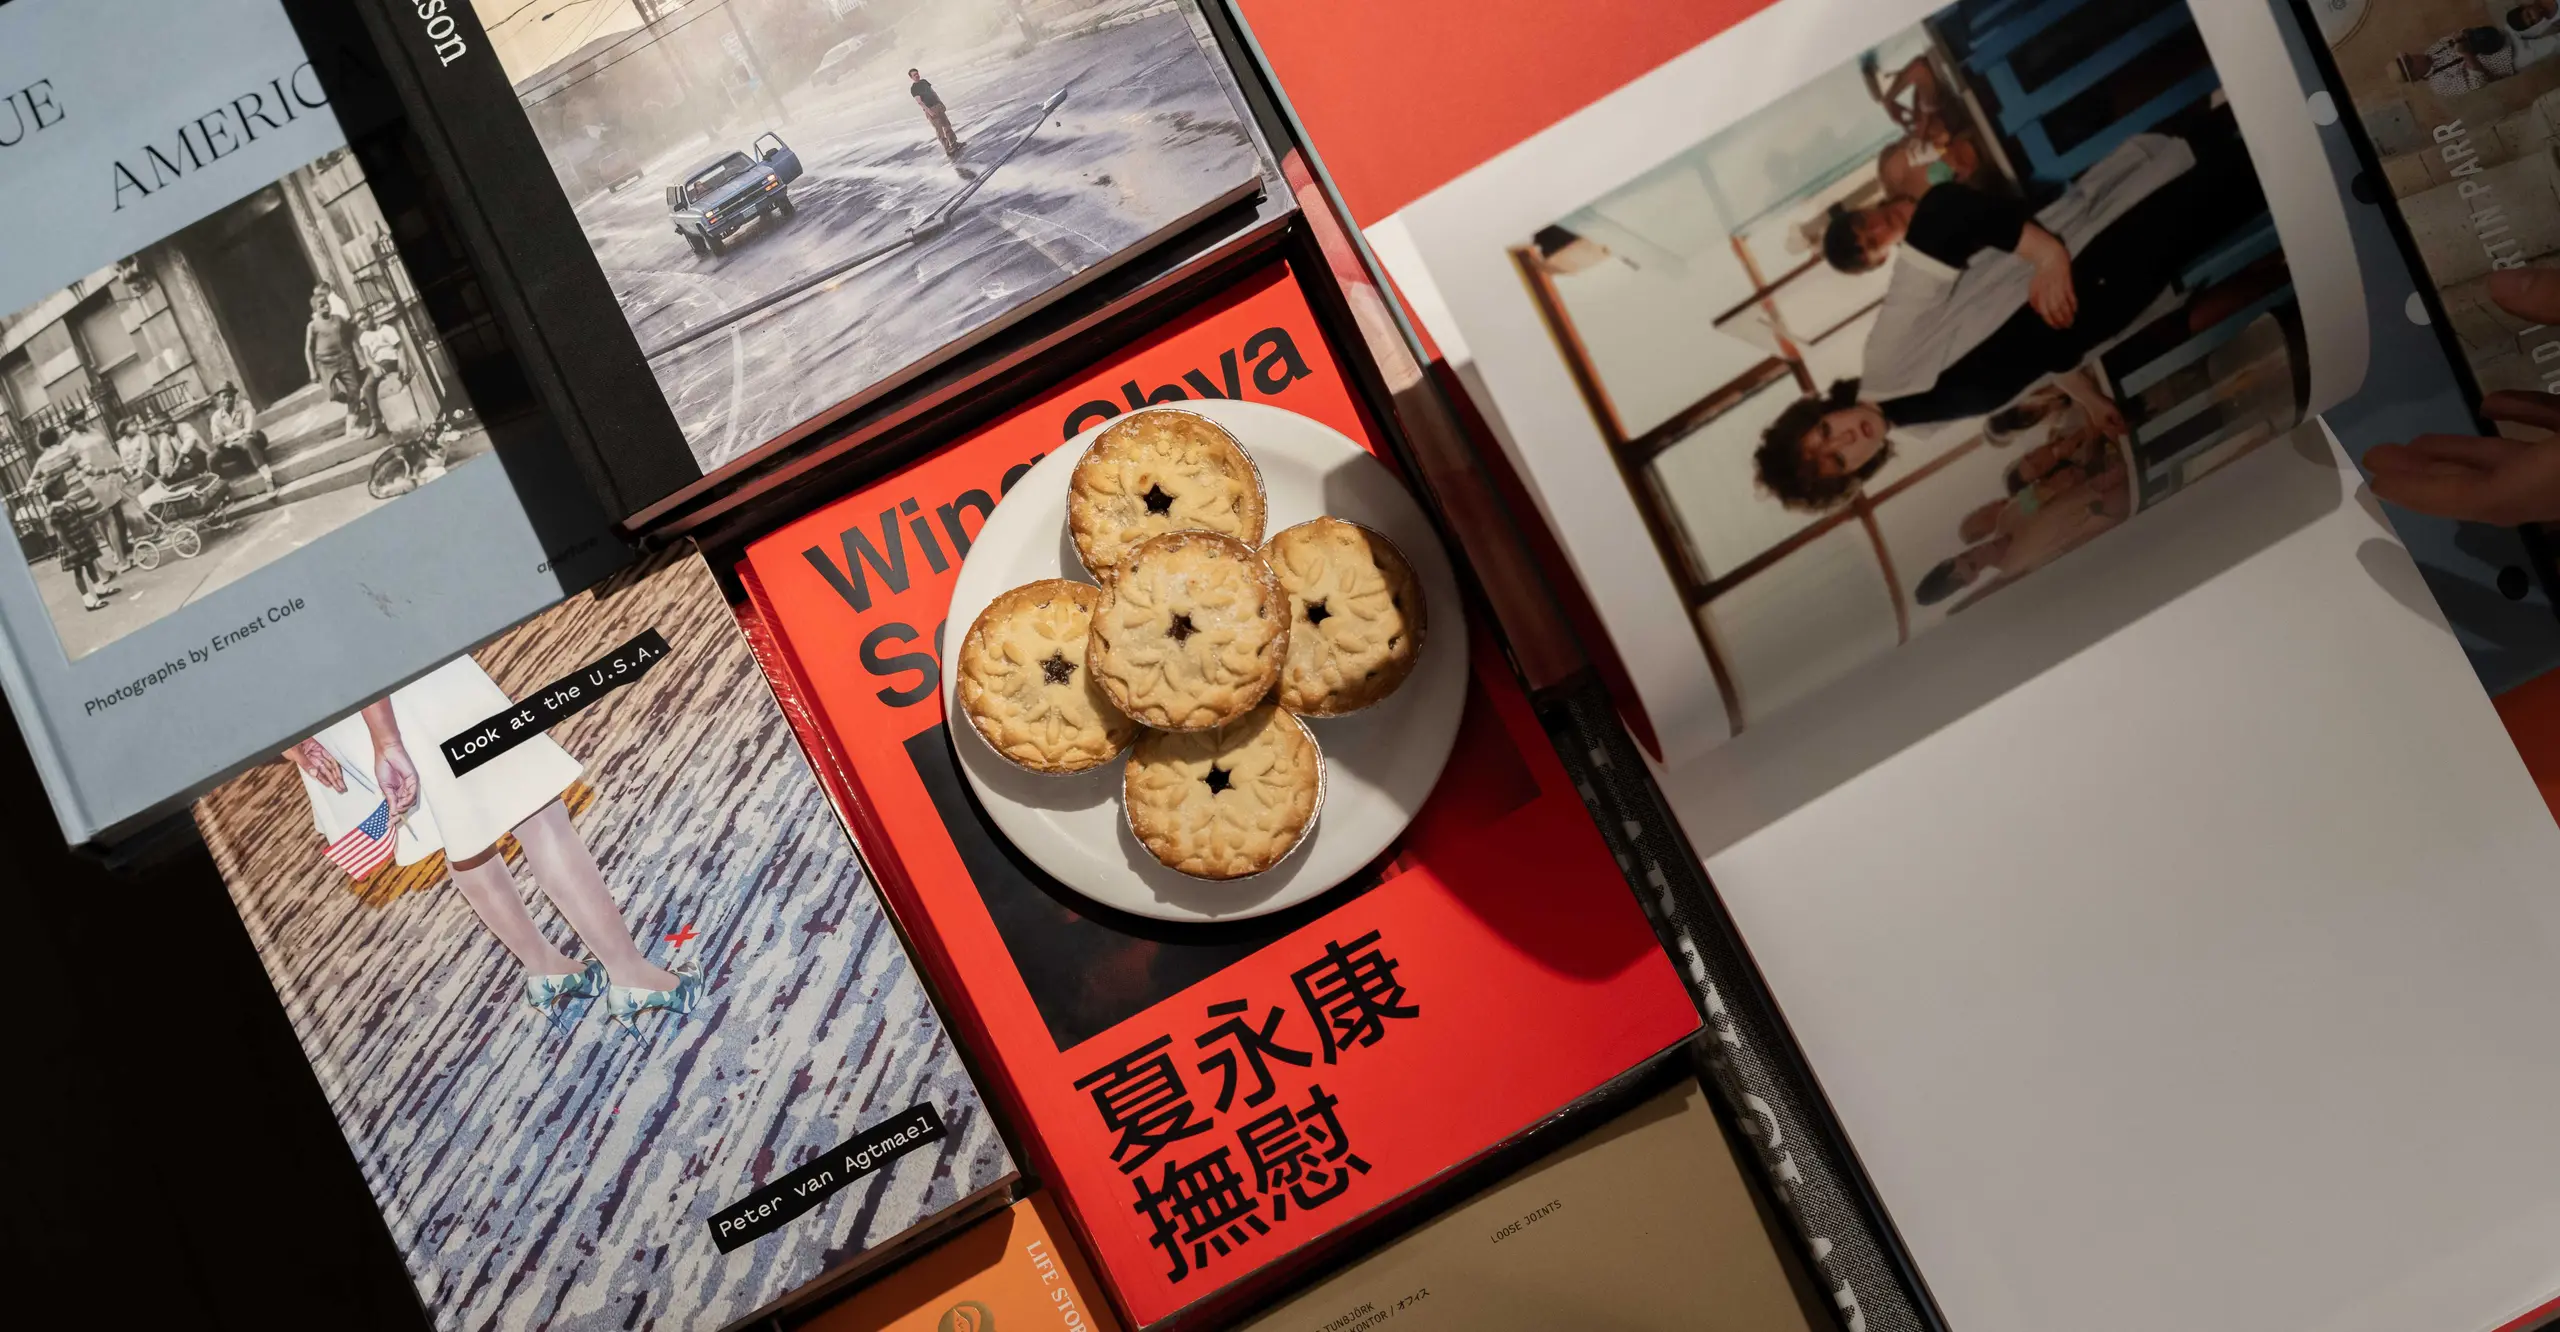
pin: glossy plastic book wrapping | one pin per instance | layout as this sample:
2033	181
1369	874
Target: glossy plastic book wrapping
588	970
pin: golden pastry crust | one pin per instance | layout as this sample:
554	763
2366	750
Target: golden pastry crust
1356	616
1225	803
1025	685
1160	471
1192	634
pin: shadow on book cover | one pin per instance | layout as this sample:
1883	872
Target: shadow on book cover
602	999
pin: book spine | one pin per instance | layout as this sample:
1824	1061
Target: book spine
1540	639
36	729
1751	1061
448	78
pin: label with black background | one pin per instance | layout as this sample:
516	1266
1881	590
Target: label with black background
775	1205
555	703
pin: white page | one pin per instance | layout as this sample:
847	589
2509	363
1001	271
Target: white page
2204	980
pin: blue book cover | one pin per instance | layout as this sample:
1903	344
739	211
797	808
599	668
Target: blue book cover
246	484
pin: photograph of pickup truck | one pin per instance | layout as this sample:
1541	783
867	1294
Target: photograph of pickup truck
731	190
798	203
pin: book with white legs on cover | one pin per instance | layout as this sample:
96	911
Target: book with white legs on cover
608	1011
257	464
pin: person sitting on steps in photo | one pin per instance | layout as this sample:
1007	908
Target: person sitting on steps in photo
178	453
133	454
236	436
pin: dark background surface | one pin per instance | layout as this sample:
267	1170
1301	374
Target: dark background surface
172	1163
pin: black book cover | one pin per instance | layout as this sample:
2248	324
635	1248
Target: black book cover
720	229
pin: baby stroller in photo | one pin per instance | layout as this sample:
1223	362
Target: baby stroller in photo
179	514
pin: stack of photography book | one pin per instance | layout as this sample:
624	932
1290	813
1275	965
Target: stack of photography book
351	349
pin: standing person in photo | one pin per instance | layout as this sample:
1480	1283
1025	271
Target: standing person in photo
934	111
118	516
378	353
74	518
1988	300
236	436
54	457
328	353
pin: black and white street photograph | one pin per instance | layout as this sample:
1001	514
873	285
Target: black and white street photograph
197	410
795	200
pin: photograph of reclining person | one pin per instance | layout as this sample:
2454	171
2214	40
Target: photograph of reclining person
1921	326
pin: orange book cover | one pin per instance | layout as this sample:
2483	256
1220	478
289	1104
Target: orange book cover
1208	1099
1016	1271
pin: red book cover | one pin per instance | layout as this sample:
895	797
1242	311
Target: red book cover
1208	1099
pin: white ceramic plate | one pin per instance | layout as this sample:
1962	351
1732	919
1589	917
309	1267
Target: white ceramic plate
1380	762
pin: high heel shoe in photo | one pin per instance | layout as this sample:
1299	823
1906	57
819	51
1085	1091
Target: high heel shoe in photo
543	994
623	1004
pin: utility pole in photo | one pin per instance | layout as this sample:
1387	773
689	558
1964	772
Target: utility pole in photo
653	21
745	51
1030	27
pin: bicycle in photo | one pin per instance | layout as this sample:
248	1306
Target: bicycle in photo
413	461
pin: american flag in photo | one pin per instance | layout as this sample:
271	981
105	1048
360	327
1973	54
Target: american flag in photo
364	847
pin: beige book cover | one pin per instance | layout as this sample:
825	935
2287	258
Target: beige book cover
1646	1223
